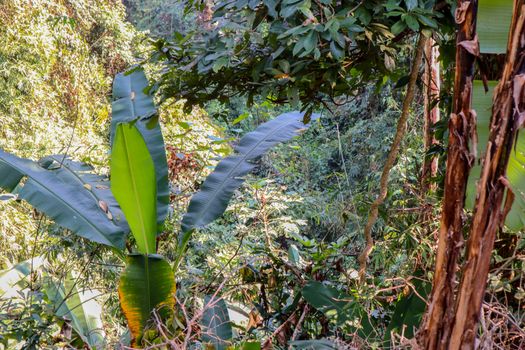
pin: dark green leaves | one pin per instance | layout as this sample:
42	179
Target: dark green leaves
216	325
408	311
215	193
72	201
146	284
328	300
333	48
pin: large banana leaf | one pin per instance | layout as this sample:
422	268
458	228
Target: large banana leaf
72	171
482	103
80	307
133	185
216	191
216	326
63	197
132	104
493	23
146	284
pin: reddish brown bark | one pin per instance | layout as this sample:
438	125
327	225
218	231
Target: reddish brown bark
492	203
431	115
437	322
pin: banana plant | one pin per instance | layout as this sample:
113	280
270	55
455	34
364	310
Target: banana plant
136	199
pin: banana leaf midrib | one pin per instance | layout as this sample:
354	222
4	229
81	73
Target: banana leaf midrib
244	157
102	233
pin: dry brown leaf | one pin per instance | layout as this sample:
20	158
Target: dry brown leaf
102	187
472	46
461	12
103	205
87	186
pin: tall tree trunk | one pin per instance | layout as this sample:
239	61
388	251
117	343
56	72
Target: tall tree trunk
392	156
437	322
431	115
494	197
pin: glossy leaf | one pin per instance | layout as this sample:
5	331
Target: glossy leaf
133	185
130	103
216	325
80	307
146	284
216	191
62	196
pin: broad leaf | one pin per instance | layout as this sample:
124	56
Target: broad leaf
493	25
328	300
133	185
216	191
61	197
482	103
408	312
146	284
132	104
72	171
80	307
216	325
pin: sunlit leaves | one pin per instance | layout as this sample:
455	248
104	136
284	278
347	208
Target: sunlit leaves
133	185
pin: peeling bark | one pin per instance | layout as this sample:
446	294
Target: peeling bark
432	83
494	197
437	321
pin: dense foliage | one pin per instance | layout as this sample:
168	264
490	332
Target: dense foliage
240	231
292	51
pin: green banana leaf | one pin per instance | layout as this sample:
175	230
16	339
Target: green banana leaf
130	103
493	24
146	284
72	171
133	185
482	103
218	188
63	197
215	324
80	307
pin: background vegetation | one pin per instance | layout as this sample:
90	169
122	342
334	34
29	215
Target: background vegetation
289	240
